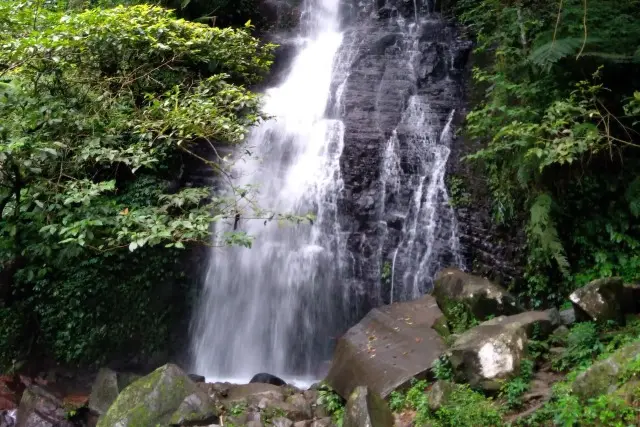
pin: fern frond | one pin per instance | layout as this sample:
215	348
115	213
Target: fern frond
544	233
549	53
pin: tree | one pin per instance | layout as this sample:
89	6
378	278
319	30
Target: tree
99	109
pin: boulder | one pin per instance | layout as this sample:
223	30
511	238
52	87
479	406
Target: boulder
156	398
252	394
8	418
106	387
40	408
322	422
536	324
480	297
197	409
599	300
568	316
439	393
602	377
281	422
486	355
389	347
365	408
197	378
267	379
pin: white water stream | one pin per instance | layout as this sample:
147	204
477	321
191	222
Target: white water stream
261	305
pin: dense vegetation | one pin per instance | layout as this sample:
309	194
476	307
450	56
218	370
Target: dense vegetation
557	110
100	110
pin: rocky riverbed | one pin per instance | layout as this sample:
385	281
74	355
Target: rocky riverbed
477	327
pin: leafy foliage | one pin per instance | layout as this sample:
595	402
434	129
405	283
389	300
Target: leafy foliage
558	116
100	111
513	389
333	403
582	346
462	407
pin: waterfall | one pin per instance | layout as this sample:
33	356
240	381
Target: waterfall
271	308
361	134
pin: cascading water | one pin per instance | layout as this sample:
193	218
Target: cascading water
271	308
361	135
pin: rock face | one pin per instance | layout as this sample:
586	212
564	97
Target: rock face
366	408
39	408
166	396
600	300
400	87
106	387
487	354
481	297
391	345
602	377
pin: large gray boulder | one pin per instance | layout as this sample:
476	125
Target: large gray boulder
365	408
603	376
106	387
488	354
599	300
389	347
165	397
480	297
40	408
536	324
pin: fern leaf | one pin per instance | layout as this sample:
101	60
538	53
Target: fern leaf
544	233
549	53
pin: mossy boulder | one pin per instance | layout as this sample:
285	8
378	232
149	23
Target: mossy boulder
480	297
604	376
165	397
365	408
600	300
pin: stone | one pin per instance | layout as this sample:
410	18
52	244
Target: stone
439	393
302	424
365	408
156	398
602	377
599	300
8	418
488	354
322	422
252	394
197	378
267	379
568	316
292	412
106	387
536	324
281	422
40	408
389	347
254	424
481	297
196	409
